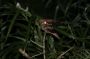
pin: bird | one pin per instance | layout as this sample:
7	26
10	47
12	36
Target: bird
47	26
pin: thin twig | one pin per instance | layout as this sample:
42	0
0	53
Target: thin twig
37	55
44	46
60	56
24	53
37	44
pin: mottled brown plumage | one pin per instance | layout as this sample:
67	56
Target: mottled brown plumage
47	26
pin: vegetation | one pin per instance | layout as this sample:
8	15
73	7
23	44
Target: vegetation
23	37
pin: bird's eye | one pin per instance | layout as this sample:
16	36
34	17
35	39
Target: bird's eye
45	22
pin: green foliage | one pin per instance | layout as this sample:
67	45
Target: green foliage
22	36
